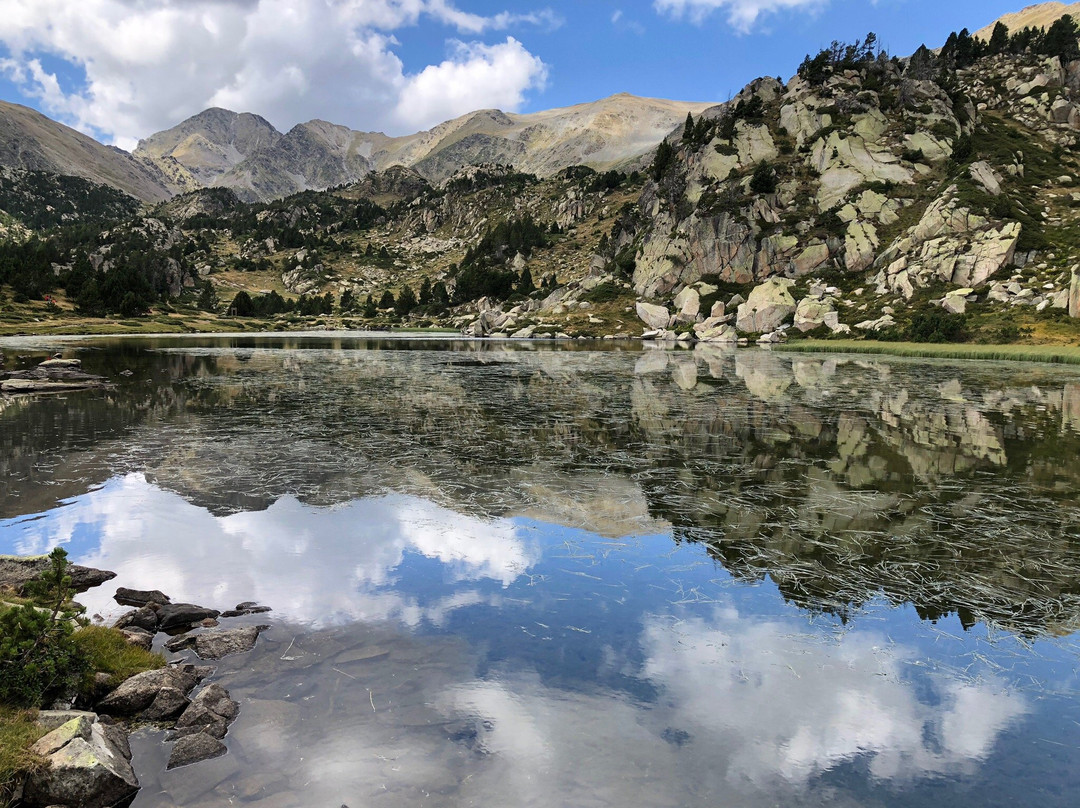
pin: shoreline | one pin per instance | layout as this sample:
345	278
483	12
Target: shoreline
1047	354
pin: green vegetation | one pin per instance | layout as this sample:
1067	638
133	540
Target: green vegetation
39	661
108	651
18	732
1057	354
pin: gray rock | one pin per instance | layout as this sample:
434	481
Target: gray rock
140	597
767	307
168	703
212	711
145	618
139	692
88	766
195	748
180	615
655	317
219	643
15	572
138	637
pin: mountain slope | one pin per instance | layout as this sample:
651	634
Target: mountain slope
1041	15
31	141
202	148
245	153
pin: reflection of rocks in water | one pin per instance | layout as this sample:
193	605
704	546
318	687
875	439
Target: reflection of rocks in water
765	374
724	445
605	504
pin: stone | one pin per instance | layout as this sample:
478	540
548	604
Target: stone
767	307
211	712
53	719
860	246
138	693
138	637
812	313
711	331
218	643
181	615
16	571
688	302
89	766
985	176
140	597
954	304
718	309
811	258
655	317
194	749
168	703
145	618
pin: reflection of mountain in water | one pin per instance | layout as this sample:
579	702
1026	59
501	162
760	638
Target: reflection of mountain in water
946	485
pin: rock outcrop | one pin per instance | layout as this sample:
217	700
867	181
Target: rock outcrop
89	766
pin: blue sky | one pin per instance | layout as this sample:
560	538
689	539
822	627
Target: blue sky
122	69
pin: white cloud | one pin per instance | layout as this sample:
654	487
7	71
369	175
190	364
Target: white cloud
150	64
741	14
475	77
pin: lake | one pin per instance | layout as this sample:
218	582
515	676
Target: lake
592	574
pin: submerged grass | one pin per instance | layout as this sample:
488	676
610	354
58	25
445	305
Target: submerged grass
18	732
1057	354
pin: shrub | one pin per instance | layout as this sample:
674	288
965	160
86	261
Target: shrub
936	325
764	179
39	661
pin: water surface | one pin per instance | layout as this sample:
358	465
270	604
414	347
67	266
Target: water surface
537	575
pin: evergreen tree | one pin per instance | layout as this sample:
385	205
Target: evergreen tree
1061	39
370	309
999	40
348	301
525	283
425	292
764	179
387	300
440	295
406	301
242	306
207	297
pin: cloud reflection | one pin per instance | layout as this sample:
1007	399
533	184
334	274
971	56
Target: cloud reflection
312	565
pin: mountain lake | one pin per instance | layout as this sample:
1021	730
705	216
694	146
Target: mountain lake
584	574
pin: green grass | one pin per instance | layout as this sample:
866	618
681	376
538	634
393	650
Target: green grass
109	652
18	732
1059	354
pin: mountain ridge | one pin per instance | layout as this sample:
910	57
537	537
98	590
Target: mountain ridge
204	151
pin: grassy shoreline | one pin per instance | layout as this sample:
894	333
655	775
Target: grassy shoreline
1053	354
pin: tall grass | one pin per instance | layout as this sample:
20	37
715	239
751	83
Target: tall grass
108	651
18	732
1057	354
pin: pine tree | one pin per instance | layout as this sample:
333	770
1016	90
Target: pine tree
525	283
999	40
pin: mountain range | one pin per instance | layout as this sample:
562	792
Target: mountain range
244	152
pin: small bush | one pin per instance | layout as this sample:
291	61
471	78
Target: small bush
39	661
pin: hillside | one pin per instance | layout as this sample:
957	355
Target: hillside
1040	15
30	141
932	198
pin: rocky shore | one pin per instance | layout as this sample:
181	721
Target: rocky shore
54	375
86	748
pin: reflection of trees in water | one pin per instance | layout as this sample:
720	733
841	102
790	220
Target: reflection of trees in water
946	486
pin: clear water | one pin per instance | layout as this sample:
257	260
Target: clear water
532	575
